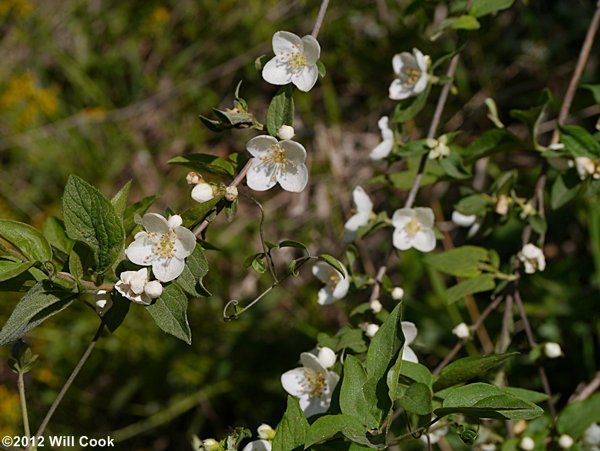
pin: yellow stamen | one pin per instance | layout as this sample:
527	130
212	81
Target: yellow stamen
314	383
413	226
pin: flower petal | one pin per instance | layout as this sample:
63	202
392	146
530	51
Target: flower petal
420	85
258	445
294	151
138	281
425	216
356	221
140	251
325	297
169	269
397	63
409	330
261	176
185	243
322	271
424	240
422	60
382	150
402	216
386	132
286	42
401	240
305	78
409	355
313	406
261	145
312	49
153	222
293	380
341	289
312	362
398	92
293	178
362	200
277	72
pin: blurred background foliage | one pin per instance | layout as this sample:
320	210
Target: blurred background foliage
111	90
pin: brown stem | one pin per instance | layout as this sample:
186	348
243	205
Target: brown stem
320	18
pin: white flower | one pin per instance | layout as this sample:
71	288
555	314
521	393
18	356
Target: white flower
312	383
295	61
565	441
409	330
397	293
276	162
527	444
231	193
587	167
435	436
164	245
413	227
384	148
134	285
375	306
461	331
364	208
591	436
286	132
439	148
193	178
411	74
533	258
463	220
258	445
336	284
203	192
371	329
552	350
327	357
103	302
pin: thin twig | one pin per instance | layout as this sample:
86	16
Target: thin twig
67	384
23	402
320	17
587	390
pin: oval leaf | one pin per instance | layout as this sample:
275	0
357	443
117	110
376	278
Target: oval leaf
26	239
169	312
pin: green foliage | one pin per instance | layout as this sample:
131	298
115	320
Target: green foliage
281	110
169	312
292	429
579	415
464	261
467	368
28	241
205	163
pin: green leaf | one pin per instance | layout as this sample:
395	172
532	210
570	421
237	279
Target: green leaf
281	110
26	239
385	345
415	372
75	265
292	429
484	7
346	338
169	313
10	269
453	166
136	209
532	117
40	303
292	243
467	368
527	395
579	142
465	22
260	62
54	231
538	223
464	261
257	262
211	124
475	204
334	263
205	163
355	401
405	114
115	315
119	201
565	188
196	267
195	215
321	69
417	399
92	219
578	416
485	282
487	401
492	141
329	426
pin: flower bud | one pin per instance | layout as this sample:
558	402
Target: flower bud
591	436
231	193
371	330
286	132
210	444
565	441
266	432
193	178
153	289
397	294
326	357
375	306
463	220
202	192
103	302
502	204
527	444
520	427
461	331
552	350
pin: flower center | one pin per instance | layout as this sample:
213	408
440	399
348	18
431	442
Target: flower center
277	157
314	384
334	279
163	245
295	61
413	226
409	76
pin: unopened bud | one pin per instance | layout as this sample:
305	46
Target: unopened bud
286	132
463	220
193	178
231	193
397	293
527	444
502	204
103	302
371	330
552	350
153	289
326	357
210	444
202	192
565	441
461	331
375	306
266	432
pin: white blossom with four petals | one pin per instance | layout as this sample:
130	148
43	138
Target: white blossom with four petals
411	74
276	162
295	61
336	284
384	148
413	227
164	245
364	209
135	286
311	383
